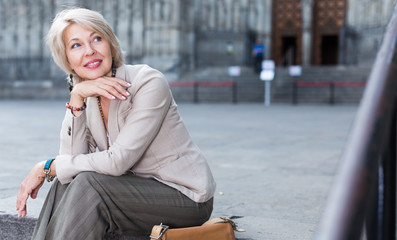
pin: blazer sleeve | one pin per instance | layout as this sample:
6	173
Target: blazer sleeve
151	99
75	137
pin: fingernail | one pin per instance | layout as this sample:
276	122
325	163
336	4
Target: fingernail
127	93
113	97
129	84
124	97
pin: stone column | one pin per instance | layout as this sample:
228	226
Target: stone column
261	23
3	27
137	29
35	31
122	27
267	26
8	30
307	10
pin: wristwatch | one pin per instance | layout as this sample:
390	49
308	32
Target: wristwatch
47	170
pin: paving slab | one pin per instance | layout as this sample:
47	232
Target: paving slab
273	165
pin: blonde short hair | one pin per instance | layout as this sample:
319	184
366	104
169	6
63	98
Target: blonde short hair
89	19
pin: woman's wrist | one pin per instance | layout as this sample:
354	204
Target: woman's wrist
76	102
52	169
47	170
73	108
76	99
39	168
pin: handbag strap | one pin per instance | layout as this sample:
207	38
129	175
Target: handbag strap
224	220
215	220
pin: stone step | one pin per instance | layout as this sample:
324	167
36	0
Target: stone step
283	84
13	228
249	87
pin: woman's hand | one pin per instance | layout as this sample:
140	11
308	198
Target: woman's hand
30	187
108	87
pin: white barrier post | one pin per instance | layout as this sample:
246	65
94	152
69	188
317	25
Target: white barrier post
267	75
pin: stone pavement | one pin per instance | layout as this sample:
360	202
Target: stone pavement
273	165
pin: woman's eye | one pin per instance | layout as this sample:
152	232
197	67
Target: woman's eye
75	45
97	39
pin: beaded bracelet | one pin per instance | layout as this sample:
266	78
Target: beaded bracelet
76	108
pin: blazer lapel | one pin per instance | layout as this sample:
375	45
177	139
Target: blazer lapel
96	124
113	125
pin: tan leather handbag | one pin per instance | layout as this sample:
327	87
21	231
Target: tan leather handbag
213	229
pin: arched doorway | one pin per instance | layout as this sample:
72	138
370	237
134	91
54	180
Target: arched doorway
328	20
287	32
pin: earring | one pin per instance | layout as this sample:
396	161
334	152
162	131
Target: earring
113	70
70	82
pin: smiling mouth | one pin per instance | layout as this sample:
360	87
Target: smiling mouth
93	64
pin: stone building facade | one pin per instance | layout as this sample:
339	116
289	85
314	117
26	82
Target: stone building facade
181	35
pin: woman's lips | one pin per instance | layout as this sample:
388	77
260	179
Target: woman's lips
93	64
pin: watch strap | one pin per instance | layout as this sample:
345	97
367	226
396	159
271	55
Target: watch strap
48	163
47	170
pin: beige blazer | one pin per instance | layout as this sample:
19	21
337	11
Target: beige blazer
147	134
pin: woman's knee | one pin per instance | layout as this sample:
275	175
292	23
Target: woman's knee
89	182
87	178
84	176
84	183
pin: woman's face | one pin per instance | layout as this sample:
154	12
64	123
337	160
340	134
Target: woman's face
88	53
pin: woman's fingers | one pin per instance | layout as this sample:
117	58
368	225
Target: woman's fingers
22	195
106	94
107	87
117	91
30	186
117	87
35	191
22	212
119	81
21	201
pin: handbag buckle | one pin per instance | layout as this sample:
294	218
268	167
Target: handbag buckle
234	225
164	228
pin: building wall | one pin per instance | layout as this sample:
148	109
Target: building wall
149	31
22	28
179	35
162	33
366	24
226	30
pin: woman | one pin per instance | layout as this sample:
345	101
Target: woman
126	160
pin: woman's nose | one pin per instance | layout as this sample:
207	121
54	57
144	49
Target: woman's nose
90	50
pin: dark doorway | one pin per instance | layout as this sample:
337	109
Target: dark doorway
289	51
329	50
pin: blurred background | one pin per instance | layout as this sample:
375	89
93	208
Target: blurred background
274	166
193	41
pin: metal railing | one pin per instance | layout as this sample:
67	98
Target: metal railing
362	203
